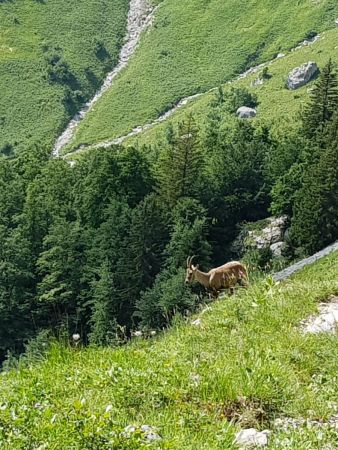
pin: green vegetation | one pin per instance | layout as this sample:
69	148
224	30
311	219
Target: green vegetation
277	105
194	46
100	247
53	56
245	365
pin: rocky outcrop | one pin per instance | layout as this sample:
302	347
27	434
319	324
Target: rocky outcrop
271	235
326	321
300	76
244	112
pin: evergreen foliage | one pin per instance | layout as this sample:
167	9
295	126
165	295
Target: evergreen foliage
100	248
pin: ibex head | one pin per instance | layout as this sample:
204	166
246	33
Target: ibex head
191	270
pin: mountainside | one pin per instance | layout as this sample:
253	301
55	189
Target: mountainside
194	46
277	106
53	56
243	362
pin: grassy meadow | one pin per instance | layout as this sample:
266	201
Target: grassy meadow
53	56
278	106
245	364
196	45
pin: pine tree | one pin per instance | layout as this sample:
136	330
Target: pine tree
181	165
315	218
323	103
103	317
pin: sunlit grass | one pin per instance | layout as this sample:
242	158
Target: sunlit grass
244	365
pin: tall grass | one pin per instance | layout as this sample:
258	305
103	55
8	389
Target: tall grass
245	365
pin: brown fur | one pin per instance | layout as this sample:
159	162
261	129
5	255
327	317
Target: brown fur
223	277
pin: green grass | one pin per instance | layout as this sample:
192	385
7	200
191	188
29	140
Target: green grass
193	46
188	382
32	109
278	106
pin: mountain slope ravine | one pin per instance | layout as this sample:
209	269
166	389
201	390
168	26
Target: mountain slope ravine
139	18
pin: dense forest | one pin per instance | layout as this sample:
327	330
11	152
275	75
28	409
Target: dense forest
98	248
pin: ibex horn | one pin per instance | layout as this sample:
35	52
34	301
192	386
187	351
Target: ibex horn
188	261
192	259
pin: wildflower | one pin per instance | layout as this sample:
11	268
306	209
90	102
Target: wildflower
109	408
195	378
196	322
53	419
152	333
37	405
76	337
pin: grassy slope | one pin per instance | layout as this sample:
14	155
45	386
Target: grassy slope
31	109
194	45
247	345
277	105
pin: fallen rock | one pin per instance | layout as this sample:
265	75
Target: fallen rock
300	76
244	112
252	438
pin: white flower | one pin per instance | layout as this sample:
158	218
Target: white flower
53	419
130	429
37	405
196	322
195	378
109	408
76	337
152	333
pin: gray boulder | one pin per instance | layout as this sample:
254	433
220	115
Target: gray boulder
300	76
244	112
277	248
271	234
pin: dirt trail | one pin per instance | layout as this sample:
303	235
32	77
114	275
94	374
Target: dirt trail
139	18
140	129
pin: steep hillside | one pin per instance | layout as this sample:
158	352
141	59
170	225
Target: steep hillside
53	56
277	105
243	363
193	46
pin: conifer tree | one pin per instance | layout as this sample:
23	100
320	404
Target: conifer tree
323	103
315	215
181	165
103	317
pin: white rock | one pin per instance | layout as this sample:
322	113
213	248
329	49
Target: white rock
336	21
276	249
325	322
252	438
299	76
271	234
280	55
244	112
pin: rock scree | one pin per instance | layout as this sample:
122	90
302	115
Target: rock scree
139	18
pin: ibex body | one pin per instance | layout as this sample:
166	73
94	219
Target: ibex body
223	277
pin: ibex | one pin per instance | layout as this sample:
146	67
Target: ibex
223	277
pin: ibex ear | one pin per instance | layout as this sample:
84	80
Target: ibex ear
194	267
